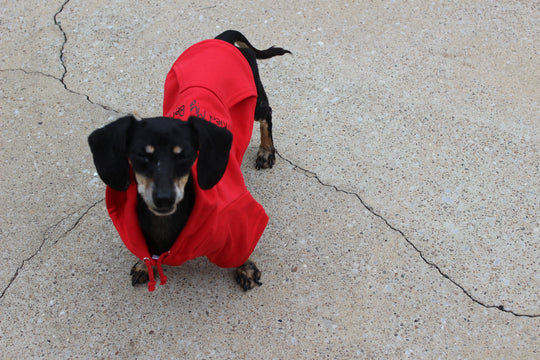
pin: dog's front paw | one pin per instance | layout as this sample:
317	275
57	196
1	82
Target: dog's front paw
139	273
265	158
248	275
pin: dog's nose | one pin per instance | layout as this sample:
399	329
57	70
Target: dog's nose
164	201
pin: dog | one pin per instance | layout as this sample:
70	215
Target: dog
174	187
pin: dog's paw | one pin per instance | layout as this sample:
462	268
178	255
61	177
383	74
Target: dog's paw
139	273
265	158
248	275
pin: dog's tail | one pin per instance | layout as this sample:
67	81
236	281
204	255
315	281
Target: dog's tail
238	39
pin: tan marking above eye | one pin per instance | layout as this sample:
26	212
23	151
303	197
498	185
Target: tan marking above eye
177	150
149	149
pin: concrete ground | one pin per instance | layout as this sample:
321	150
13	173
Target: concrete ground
404	205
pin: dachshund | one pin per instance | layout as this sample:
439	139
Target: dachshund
173	179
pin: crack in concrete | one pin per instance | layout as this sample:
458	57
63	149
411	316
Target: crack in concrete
30	72
313	175
62	48
47	235
62	77
63	62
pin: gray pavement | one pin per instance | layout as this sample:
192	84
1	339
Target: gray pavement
404	205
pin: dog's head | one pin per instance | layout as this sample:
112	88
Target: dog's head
161	152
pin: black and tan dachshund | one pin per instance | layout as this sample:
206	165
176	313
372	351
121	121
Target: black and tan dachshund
160	153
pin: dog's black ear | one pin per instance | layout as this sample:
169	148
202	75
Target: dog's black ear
109	148
214	144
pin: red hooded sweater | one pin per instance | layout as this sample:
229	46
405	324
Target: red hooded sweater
211	80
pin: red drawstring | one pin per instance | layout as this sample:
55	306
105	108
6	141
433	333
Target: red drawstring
152	282
152	262
162	277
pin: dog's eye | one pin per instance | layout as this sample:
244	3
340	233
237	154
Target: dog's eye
145	157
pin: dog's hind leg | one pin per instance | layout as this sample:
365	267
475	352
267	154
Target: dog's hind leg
263	114
248	275
266	156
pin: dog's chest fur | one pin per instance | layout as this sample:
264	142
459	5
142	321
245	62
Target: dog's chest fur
161	232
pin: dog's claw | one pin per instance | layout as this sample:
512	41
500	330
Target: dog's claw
248	275
139	274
